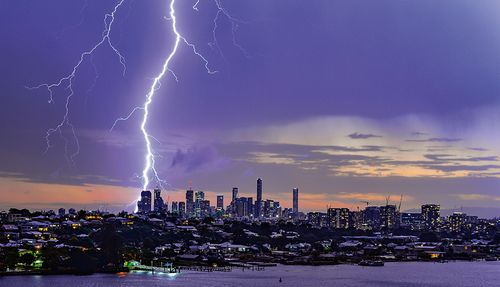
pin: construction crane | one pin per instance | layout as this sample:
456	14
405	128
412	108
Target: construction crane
387	198
400	201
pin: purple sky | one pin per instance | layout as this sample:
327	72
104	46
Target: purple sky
348	100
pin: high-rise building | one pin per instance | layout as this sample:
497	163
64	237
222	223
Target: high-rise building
314	218
144	204
456	221
295	201
199	197
270	209
159	205
431	215
356	220
242	207
182	209
175	207
220	202
189	202
258	202
338	217
411	220
235	194
371	216
205	209
388	216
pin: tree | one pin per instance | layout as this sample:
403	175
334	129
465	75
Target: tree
27	258
52	258
111	243
11	257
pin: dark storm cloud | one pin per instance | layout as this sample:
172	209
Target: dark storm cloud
197	158
363	136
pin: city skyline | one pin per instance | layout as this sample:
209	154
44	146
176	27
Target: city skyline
379	105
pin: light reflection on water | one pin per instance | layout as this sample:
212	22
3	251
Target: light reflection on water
462	274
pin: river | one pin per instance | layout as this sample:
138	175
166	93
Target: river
410	274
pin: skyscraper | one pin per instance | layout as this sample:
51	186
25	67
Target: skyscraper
388	216
198	202
431	215
338	217
144	204
159	205
235	194
258	202
295	201
242	207
175	207
456	221
189	202
182	209
371	216
220	202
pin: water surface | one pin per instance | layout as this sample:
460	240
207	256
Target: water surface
410	274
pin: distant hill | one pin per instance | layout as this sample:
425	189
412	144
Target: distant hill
481	212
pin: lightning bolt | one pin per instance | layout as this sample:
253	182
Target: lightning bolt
235	22
109	19
150	162
150	166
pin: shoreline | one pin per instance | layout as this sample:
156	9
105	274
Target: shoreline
123	271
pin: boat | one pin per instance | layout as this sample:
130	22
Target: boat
371	263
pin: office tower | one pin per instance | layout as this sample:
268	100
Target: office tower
159	205
388	216
199	198
371	216
175	207
338	217
411	220
243	207
313	218
182	209
431	215
220	202
270	209
258	202
456	221
250	206
189	202
295	193
356	220
235	194
144	204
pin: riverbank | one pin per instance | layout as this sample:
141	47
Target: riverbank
395	274
236	266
